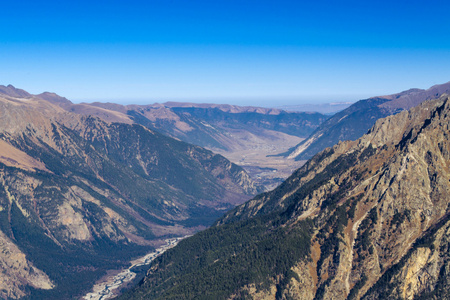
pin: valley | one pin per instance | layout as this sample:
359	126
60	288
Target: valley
365	219
224	150
259	158
80	196
251	137
107	287
97	186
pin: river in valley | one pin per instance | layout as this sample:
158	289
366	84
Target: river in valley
109	287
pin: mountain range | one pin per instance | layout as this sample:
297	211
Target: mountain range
365	219
79	195
354	121
208	125
85	188
245	135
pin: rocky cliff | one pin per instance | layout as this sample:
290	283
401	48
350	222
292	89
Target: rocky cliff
366	219
79	195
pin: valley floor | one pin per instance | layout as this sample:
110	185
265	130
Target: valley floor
261	165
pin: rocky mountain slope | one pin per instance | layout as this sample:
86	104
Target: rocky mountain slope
79	195
366	219
353	122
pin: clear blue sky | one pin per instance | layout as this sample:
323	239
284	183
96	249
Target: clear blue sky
242	52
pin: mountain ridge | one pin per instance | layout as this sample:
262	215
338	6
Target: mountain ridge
354	121
11	91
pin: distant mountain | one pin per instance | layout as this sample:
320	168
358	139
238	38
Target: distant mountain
79	195
323	108
353	122
365	219
13	92
226	107
245	135
212	125
55	99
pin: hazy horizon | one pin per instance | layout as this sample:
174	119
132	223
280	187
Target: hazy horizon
237	52
249	101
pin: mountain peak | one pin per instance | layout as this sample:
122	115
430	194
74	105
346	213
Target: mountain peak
11	91
54	99
413	97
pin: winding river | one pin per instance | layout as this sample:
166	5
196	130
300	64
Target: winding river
107	289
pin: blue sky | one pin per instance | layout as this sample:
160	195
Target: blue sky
240	52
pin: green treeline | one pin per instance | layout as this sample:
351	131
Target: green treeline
226	258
